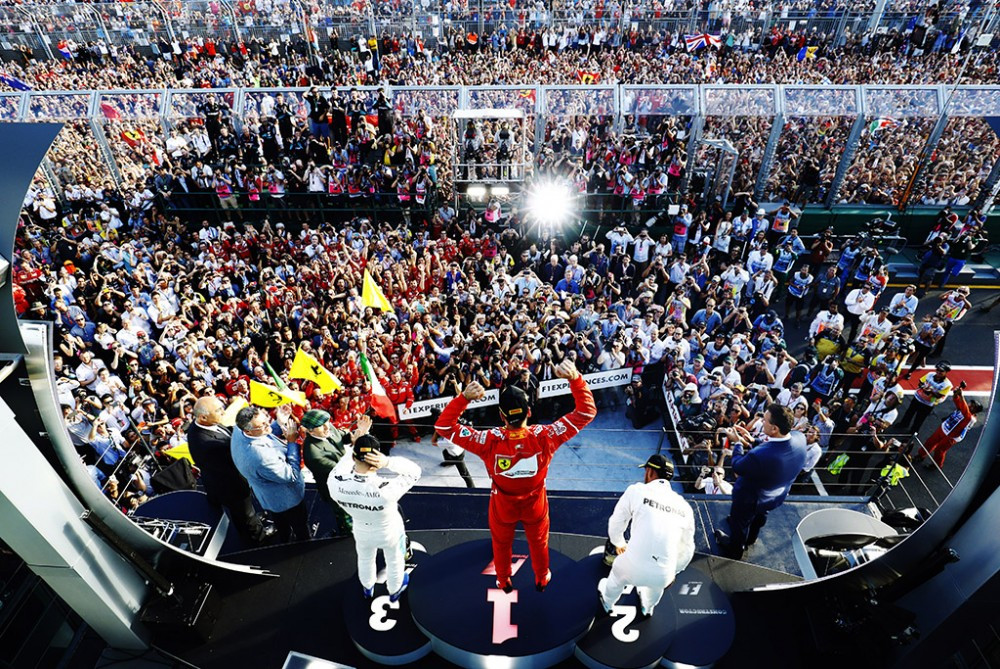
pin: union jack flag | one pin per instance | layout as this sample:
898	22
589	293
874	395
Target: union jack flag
695	42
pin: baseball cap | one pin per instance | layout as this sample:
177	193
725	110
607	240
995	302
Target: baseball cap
314	418
366	444
943	366
659	463
514	404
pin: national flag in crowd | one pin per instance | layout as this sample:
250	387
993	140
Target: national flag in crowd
307	367
527	94
110	111
880	123
806	52
695	42
133	137
379	399
371	295
588	77
63	48
14	82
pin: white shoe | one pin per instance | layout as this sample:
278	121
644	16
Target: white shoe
600	595
645	613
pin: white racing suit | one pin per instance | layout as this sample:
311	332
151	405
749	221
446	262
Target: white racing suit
661	544
372	502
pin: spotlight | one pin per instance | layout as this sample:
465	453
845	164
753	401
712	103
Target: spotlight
476	191
550	203
500	191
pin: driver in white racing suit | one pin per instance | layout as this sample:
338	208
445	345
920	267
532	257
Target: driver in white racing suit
662	540
372	502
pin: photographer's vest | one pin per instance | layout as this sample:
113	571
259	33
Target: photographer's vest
824	381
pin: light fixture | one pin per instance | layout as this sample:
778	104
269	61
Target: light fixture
476	191
550	202
500	191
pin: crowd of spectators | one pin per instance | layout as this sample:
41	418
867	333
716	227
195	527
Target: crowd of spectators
155	307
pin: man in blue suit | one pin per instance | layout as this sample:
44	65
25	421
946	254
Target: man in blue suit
766	473
271	467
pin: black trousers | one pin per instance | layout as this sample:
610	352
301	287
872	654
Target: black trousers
459	462
244	517
294	520
915	415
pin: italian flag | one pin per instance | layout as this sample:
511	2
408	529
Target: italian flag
380	401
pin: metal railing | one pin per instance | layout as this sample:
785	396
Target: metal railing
773	129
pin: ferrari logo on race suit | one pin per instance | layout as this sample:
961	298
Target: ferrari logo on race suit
519	469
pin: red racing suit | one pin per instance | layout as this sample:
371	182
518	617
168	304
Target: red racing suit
517	460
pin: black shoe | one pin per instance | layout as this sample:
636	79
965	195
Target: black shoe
506	586
726	547
540	586
268	536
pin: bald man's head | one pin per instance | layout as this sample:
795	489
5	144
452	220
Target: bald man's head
208	410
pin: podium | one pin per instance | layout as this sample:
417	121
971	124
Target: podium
453	607
705	623
383	631
622	639
455	602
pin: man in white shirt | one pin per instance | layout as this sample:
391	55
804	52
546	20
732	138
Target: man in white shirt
372	502
827	319
662	538
792	397
858	302
619	238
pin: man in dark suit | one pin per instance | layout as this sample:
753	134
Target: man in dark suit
225	486
766	473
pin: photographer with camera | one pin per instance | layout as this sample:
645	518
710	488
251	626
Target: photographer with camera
952	430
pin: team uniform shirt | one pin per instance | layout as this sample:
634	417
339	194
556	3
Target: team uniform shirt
931	392
372	502
662	525
371	499
517	460
959	422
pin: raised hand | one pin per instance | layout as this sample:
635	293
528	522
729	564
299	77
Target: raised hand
567	370
473	391
364	424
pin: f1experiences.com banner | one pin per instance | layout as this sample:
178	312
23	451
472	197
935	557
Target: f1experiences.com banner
551	388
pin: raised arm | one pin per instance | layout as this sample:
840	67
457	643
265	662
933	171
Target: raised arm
584	411
447	423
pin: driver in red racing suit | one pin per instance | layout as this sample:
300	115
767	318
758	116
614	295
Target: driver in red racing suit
517	458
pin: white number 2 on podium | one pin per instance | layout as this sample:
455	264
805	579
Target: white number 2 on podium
619	629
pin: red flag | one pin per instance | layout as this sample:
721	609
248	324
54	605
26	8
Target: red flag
527	94
588	77
133	137
110	111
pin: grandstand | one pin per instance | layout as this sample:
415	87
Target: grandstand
721	215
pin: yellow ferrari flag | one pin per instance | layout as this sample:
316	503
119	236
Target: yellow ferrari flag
179	452
229	416
267	396
307	367
371	295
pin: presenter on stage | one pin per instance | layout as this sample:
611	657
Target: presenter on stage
372	502
662	539
517	459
